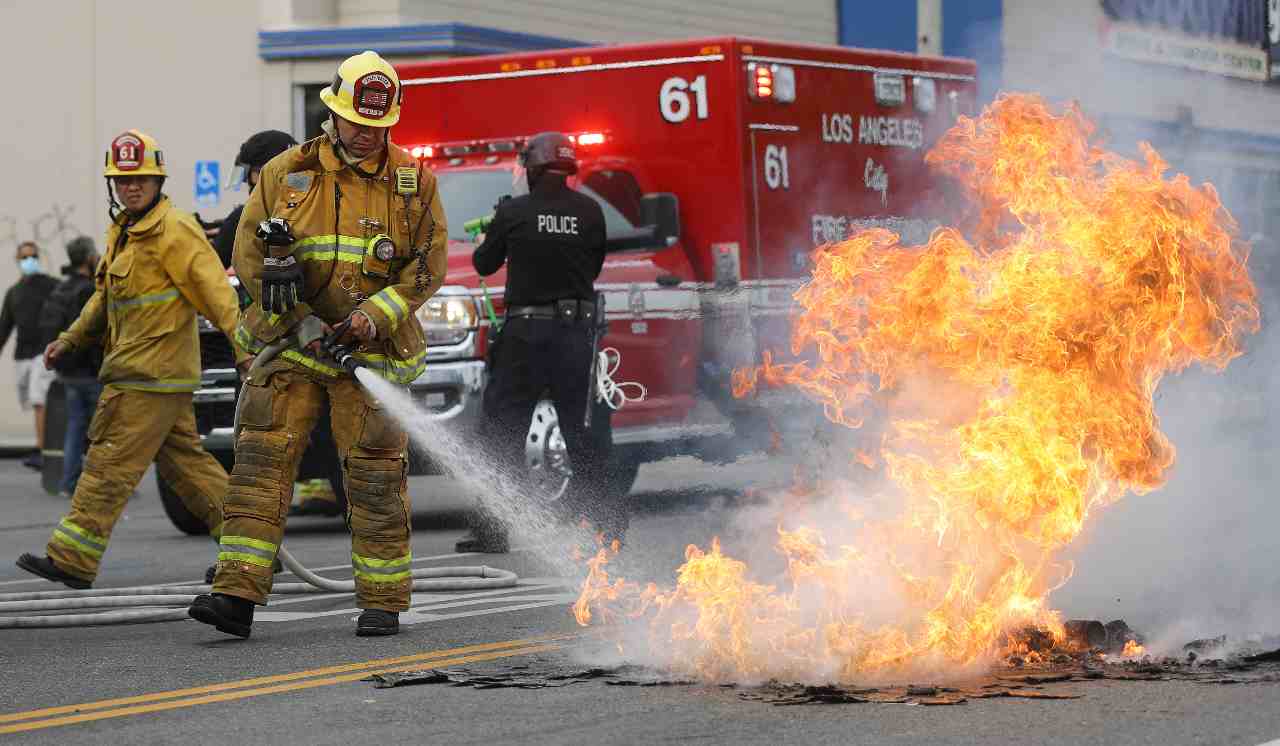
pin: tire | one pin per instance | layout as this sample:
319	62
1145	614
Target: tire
182	518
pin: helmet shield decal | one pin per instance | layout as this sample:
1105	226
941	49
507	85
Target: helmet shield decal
373	95
128	152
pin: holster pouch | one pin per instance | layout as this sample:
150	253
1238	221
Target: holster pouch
567	312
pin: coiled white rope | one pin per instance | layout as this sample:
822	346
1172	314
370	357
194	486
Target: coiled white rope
610	392
463	578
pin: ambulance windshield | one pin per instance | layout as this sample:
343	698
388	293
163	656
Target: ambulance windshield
467	195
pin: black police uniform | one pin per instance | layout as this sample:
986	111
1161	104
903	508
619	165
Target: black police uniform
553	243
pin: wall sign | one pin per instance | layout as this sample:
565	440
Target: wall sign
1147	44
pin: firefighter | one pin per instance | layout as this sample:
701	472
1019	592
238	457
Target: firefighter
349	228
552	240
158	273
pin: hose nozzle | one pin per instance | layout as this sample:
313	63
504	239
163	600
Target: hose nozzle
343	355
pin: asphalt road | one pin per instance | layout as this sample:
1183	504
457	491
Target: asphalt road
297	679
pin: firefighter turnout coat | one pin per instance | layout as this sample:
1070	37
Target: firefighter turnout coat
336	215
158	272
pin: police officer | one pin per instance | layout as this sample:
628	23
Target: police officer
158	273
254	153
347	228
552	240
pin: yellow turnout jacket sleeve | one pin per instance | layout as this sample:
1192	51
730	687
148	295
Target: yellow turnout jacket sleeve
200	278
89	327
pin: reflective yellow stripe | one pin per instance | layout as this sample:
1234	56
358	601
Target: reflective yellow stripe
377	359
79	539
252	559
312	363
382	571
321	249
392	305
167	296
246	340
247	549
249	541
402	372
160	385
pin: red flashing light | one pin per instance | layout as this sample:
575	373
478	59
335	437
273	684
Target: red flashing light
763	81
590	138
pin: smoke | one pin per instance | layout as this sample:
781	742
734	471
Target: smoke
1197	557
469	461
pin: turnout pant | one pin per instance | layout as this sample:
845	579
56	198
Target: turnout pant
129	430
535	356
280	407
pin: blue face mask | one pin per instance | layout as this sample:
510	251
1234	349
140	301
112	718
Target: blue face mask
29	265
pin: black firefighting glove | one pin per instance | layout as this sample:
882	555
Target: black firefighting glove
281	276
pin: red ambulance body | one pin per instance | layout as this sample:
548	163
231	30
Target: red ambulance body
720	164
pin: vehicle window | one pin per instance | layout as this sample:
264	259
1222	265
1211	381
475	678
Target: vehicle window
620	189
614	221
467	195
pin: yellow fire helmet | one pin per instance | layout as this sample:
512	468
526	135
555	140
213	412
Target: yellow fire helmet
134	153
365	90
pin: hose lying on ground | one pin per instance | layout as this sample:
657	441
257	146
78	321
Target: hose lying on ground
463	578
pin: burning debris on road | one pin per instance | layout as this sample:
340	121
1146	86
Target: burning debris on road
1011	363
1061	675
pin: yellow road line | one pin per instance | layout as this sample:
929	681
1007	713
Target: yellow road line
261	680
246	693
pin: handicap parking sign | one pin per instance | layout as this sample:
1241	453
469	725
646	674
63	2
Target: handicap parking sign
208	185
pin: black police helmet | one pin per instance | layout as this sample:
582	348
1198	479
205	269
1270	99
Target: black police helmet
549	150
263	146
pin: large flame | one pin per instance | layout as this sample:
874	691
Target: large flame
1016	369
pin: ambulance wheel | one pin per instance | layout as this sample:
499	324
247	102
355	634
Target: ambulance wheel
183	519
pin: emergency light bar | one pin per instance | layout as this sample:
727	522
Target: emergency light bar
455	150
771	82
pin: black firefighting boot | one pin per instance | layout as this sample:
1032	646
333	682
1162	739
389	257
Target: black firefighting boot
230	614
45	568
377	623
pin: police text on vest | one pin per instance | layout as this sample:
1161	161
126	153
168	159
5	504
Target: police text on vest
562	224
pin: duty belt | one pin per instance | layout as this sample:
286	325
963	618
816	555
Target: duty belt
570	310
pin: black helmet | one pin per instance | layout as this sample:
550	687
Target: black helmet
262	147
549	150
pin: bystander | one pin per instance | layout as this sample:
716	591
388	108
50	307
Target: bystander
78	370
21	311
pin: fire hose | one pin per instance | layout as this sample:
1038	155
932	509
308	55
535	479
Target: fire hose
459	578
